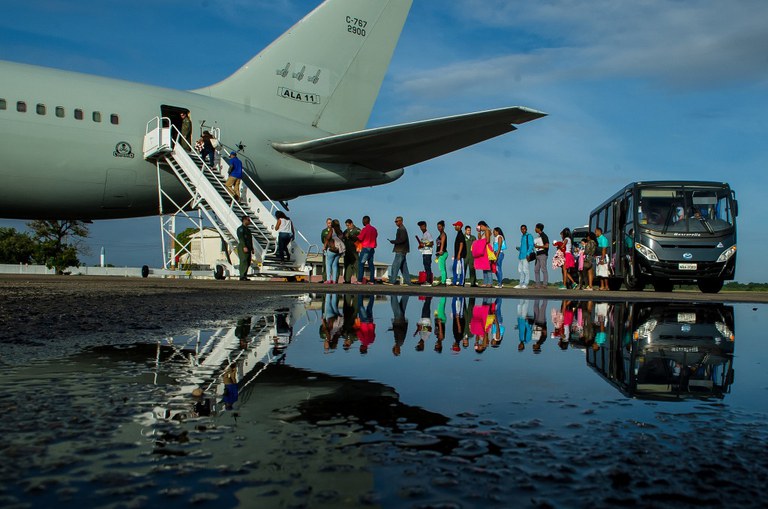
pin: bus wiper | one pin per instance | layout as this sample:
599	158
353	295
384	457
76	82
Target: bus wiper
707	225
666	220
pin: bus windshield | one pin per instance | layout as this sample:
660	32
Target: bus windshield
685	209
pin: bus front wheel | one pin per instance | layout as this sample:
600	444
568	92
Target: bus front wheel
710	285
633	284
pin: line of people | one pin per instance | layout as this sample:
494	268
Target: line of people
355	248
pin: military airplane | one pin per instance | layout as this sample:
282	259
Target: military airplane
297	112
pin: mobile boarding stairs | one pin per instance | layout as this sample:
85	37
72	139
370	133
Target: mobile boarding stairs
211	200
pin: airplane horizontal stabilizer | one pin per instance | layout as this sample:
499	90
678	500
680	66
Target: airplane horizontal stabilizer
394	147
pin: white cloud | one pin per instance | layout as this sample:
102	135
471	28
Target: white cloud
677	44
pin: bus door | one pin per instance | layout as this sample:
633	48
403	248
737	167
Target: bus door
625	233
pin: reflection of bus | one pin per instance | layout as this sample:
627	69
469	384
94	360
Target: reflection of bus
667	233
670	351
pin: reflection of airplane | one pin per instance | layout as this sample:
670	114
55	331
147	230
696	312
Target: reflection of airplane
82	135
214	359
668	351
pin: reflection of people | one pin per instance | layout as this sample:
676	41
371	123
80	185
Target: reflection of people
482	318
497	327
230	387
284	331
539	329
244	247
366	333
440	319
524	328
424	325
332	323
457	318
242	330
399	321
202	405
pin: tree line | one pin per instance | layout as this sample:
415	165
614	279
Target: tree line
50	242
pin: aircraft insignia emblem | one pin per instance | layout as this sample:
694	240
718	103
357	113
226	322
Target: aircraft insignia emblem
123	149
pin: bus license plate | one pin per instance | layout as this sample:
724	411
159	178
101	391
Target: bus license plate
687	266
686	318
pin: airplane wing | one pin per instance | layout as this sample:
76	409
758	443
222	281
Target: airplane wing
394	147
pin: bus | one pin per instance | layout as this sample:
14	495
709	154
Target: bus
670	232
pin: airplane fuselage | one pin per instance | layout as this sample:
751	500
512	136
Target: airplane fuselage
71	146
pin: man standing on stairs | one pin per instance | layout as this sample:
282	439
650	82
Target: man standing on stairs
186	131
244	247
235	175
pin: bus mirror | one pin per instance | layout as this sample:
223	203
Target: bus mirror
735	208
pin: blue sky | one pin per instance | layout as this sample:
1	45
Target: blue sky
648	90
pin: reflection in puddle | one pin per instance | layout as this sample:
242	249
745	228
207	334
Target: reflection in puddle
420	401
664	351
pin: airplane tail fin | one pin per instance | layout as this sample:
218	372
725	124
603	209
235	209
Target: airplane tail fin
326	71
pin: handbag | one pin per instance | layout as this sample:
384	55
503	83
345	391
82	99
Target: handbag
531	257
491	253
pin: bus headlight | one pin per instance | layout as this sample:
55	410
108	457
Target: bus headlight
726	255
645	330
646	252
724	331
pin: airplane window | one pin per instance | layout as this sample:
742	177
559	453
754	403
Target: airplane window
114	119
97	116
40	109
60	111
78	114
2	104
21	107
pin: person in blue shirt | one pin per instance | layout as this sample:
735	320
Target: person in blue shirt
235	175
602	270
526	248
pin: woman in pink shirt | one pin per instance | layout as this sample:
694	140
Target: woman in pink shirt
480	253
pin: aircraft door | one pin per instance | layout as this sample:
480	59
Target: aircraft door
174	114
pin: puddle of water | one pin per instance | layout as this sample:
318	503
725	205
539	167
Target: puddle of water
350	401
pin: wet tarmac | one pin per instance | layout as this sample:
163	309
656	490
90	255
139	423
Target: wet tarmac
362	400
